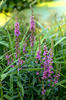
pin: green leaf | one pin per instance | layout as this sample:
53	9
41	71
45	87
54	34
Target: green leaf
59	41
4	44
7	97
62	82
3	76
48	91
21	87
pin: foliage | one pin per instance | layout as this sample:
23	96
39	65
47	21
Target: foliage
25	84
9	5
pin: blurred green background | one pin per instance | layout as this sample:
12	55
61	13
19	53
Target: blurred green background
9	5
44	9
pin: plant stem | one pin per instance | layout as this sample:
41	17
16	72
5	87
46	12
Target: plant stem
11	84
1	90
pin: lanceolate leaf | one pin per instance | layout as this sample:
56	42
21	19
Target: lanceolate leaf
61	83
60	41
4	43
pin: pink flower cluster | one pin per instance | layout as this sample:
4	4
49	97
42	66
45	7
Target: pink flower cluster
24	48
17	52
47	64
32	40
17	32
32	24
56	77
43	91
9	60
38	55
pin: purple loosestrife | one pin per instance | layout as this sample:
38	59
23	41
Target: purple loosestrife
32	29
37	73
43	91
24	48
20	61
50	62
19	69
8	59
17	33
38	55
32	40
56	78
32	24
45	62
11	61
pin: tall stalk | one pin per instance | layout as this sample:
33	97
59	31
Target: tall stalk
1	90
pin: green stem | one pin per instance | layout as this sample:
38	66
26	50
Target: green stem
1	90
11	84
18	79
43	88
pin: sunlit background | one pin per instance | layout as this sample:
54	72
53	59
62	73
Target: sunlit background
44	8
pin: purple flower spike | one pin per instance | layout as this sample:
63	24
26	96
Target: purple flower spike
44	75
17	32
37	73
19	69
16	55
43	92
47	63
12	66
56	77
32	39
24	48
7	57
32	24
38	55
22	62
8	61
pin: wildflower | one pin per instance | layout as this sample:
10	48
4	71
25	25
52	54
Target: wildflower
16	55
56	77
43	92
17	32
44	75
12	66
37	73
32	24
8	59
24	48
20	62
38	55
19	69
45	62
32	29
32	40
36	62
48	61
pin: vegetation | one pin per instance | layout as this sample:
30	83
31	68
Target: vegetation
26	49
9	5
